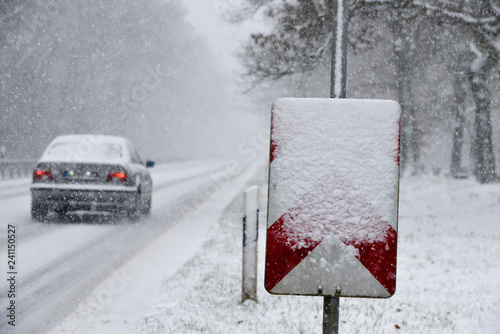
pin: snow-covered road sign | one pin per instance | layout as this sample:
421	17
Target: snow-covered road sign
333	198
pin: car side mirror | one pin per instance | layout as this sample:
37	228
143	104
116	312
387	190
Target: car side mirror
150	164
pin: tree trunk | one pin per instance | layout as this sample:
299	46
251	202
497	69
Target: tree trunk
459	90
409	145
485	158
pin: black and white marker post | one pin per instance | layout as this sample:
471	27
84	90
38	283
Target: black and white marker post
338	85
250	242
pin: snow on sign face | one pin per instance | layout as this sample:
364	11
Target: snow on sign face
333	198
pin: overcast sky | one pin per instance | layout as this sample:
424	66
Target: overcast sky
223	38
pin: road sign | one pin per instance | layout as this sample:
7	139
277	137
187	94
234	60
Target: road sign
333	198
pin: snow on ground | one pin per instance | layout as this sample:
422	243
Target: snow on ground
119	302
448	274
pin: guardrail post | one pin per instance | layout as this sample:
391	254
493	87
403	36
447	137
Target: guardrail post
15	168
250	242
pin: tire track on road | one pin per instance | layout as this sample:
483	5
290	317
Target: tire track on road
43	302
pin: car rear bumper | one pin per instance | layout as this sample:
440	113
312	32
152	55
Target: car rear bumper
72	199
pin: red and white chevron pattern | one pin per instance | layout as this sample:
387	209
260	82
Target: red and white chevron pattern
333	197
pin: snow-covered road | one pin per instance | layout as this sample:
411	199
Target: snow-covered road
179	270
81	265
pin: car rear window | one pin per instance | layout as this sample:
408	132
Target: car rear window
83	150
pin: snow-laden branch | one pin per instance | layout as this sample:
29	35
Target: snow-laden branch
322	48
466	18
236	11
495	7
481	58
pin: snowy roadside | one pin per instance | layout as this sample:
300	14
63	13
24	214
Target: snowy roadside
448	269
118	302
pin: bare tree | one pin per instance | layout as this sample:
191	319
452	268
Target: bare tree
135	69
482	19
301	39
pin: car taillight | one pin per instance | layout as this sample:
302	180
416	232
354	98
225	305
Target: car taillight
117	177
42	175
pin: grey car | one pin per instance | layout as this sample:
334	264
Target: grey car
90	173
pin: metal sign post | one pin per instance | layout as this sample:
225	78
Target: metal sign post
339	49
337	90
333	192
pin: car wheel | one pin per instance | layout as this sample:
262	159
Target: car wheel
147	207
39	212
134	209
